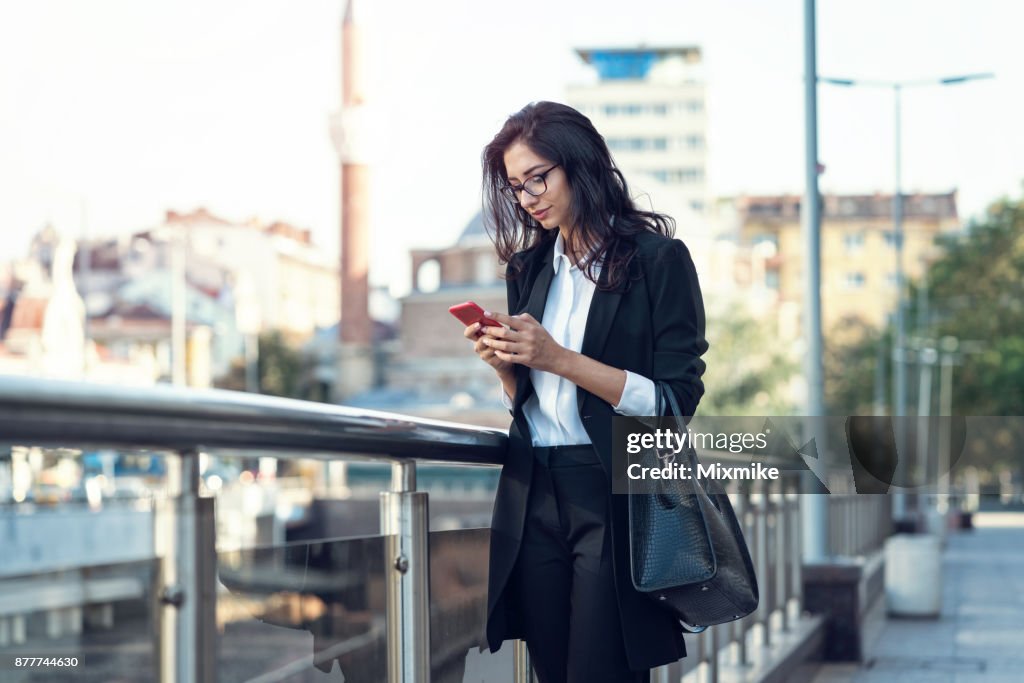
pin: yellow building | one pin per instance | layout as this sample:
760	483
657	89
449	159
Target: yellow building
858	248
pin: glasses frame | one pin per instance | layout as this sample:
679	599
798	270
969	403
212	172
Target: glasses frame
514	193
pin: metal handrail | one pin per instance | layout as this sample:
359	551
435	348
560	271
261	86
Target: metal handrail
48	411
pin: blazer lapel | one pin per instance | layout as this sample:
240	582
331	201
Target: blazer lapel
603	307
534	306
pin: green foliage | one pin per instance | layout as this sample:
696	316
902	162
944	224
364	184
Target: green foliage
748	371
975	294
280	368
852	349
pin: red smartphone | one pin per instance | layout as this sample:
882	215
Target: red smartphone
470	313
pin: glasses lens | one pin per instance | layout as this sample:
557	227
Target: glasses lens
536	186
509	193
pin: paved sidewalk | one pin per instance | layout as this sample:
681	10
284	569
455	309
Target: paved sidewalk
979	637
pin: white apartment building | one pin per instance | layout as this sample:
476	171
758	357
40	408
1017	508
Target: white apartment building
289	283
650	105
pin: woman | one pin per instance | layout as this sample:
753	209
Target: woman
602	303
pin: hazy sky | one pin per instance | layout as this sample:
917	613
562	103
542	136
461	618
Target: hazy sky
112	111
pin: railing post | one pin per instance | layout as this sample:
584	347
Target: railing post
711	636
761	564
796	586
185	542
741	627
778	494
522	670
403	520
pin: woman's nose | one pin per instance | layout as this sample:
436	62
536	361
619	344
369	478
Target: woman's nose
526	199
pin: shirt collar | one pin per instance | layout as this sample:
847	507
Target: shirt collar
558	256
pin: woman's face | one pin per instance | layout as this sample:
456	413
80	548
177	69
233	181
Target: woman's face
552	209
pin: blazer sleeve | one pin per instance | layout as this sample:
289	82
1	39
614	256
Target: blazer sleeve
514	286
513	292
677	309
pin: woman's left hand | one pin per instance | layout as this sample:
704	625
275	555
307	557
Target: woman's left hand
524	341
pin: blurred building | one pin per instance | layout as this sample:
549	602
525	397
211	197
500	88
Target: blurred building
858	248
432	371
237	279
650	106
42	317
291	284
465	271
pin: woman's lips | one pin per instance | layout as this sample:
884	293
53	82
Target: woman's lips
539	215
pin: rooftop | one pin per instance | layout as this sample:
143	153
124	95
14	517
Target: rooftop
850	206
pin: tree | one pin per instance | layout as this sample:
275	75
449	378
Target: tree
975	292
280	368
748	372
852	349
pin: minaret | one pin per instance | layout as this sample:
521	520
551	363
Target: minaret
349	132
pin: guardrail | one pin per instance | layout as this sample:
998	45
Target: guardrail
186	423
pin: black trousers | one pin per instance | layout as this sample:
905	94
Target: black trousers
563	577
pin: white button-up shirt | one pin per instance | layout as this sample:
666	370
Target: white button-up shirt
551	411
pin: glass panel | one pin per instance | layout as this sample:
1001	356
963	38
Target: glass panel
77	569
458	608
284	610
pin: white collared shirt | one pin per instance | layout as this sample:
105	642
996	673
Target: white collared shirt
552	411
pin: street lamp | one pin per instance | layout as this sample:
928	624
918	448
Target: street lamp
900	398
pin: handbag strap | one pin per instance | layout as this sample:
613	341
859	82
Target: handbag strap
664	396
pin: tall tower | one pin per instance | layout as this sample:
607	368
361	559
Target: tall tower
349	132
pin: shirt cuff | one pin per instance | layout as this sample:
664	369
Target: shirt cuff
638	396
506	400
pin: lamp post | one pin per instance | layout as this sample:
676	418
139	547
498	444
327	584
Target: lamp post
899	362
814	510
897	87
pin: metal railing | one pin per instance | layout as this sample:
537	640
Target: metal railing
859	524
187	423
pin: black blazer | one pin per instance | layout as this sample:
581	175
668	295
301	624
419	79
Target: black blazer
651	324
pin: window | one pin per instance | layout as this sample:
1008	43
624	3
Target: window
891	239
766	237
691	175
637	144
853	241
694	142
854	280
678	175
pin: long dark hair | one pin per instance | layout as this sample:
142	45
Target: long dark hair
605	218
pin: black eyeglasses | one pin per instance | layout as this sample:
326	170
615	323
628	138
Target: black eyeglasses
534	186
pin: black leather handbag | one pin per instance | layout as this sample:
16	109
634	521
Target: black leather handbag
687	550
